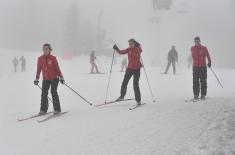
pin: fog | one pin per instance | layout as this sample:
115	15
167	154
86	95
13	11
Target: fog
79	26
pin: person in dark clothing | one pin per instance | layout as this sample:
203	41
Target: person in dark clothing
162	4
48	64
199	55
15	63
23	63
155	4
134	65
124	64
172	59
93	64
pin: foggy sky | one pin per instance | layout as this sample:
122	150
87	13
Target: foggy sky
45	21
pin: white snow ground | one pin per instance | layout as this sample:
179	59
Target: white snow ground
167	127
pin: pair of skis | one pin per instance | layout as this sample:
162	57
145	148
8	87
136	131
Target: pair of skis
51	116
116	101
194	100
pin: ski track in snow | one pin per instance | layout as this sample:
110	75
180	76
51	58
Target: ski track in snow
167	127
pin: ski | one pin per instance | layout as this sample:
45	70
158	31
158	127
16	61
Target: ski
137	106
194	100
33	116
110	102
51	117
95	73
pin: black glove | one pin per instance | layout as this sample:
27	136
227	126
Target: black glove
209	65
116	48
62	80
35	82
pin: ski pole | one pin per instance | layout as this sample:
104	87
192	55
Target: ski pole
111	68
148	80
163	67
216	77
78	95
47	96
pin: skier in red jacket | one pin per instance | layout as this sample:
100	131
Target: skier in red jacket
48	64
134	65
199	55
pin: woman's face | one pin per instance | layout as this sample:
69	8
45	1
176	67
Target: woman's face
46	50
131	44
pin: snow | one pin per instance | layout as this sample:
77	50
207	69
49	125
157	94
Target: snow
169	126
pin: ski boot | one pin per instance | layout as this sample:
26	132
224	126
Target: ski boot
119	99
42	113
196	97
203	97
56	112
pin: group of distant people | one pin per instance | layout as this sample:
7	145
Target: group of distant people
22	61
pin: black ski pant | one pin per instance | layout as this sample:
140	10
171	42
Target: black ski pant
46	84
169	64
199	80
127	77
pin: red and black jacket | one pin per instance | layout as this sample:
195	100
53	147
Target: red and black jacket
199	55
49	67
134	57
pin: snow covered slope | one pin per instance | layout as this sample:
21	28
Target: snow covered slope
167	127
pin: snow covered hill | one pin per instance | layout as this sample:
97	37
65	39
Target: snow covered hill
170	126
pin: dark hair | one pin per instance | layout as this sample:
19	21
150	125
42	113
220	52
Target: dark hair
137	44
197	38
47	45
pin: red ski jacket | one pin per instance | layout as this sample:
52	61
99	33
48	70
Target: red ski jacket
199	55
49	67
133	57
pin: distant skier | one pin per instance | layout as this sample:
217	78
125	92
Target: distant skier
23	63
124	64
93	64
199	55
162	4
48	64
134	64
155	6
172	59
15	62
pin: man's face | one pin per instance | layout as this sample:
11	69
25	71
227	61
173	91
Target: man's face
197	42
46	50
131	44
